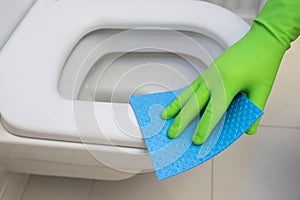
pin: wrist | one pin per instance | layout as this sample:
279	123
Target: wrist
282	19
263	39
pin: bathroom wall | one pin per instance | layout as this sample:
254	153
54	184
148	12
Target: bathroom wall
247	9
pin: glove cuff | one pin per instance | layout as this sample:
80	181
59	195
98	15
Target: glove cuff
281	18
265	41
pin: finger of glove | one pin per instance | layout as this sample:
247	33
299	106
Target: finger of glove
173	109
208	121
259	98
190	110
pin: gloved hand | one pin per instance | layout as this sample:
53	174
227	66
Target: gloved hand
249	66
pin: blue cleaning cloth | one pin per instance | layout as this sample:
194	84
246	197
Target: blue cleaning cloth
173	156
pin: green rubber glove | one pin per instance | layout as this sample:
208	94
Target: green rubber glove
249	66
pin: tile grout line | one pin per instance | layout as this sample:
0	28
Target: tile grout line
3	184
91	190
26	187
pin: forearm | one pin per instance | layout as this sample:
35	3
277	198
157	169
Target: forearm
282	19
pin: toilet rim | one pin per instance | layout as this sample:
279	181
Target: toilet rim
33	58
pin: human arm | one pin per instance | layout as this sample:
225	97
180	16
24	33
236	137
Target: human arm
249	66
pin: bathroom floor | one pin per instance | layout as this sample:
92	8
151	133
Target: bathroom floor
144	186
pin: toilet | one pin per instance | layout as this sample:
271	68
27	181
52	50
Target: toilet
68	69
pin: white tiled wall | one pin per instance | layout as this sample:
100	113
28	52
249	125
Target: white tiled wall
247	9
261	167
238	4
283	108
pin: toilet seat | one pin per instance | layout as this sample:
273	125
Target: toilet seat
32	60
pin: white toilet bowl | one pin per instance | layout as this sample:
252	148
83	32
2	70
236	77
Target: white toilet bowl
67	70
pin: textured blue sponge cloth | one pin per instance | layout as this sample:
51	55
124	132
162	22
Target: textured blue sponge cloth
174	156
